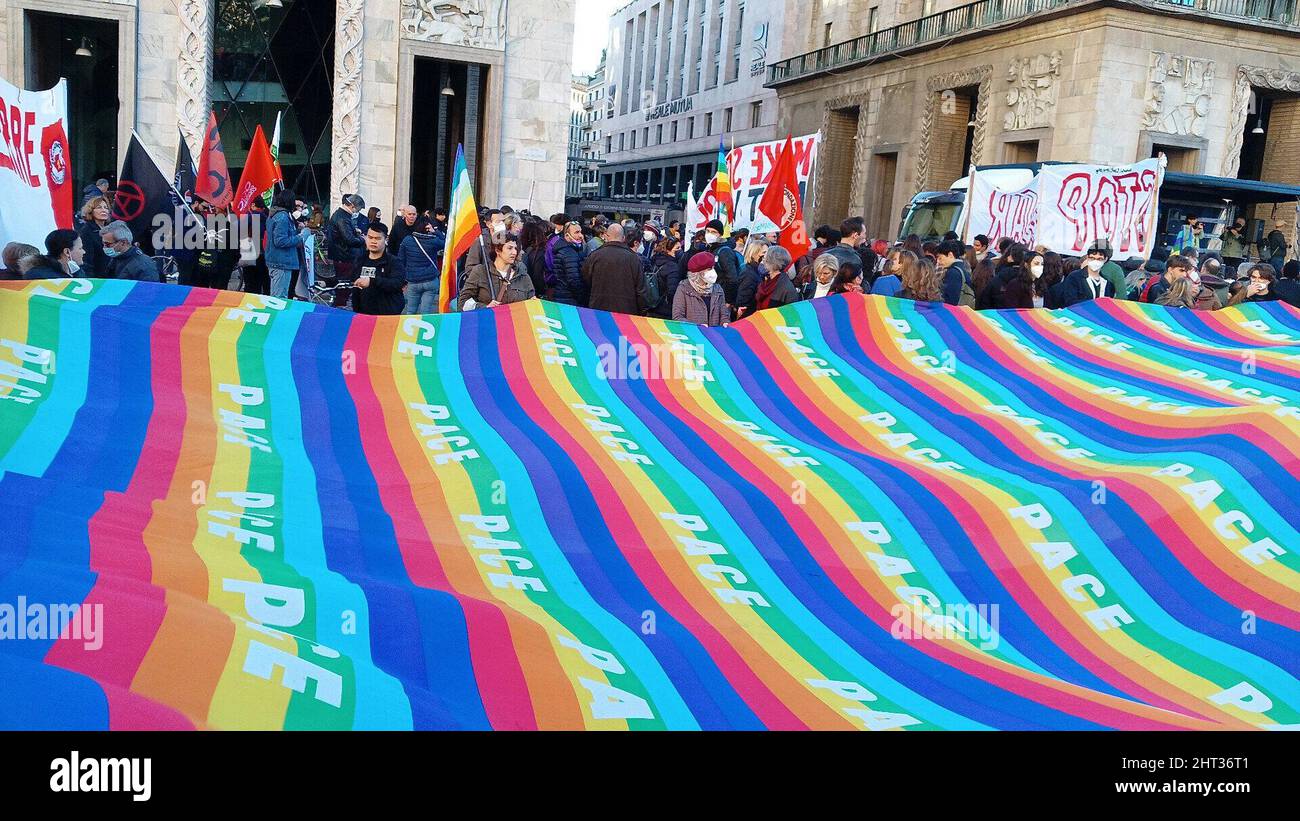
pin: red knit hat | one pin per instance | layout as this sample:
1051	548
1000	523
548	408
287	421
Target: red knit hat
701	261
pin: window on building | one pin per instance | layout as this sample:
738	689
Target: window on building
927	8
826	38
726	121
659	134
690	127
740	24
708	124
755	114
673	130
621	138
633	146
873	19
609	145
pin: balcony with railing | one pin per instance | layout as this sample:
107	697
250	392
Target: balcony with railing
983	14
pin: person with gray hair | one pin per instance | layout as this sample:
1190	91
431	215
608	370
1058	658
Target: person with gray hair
13	254
776	289
126	261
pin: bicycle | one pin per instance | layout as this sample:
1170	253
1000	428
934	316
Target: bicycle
168	270
335	296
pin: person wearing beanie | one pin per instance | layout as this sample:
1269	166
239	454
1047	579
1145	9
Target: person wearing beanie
700	299
727	262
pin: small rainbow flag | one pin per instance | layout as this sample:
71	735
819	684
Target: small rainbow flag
462	229
726	210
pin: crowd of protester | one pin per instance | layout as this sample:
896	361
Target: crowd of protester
709	276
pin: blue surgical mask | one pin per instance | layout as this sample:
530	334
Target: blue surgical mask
110	251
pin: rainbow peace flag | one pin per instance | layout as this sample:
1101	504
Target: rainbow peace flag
852	512
462	229
722	187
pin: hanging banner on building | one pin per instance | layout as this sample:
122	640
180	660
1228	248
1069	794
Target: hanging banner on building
750	168
35	163
1067	208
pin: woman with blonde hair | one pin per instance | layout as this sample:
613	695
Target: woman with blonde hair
890	281
95	214
921	282
751	275
1182	294
824	270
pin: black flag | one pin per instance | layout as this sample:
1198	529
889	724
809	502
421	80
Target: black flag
143	193
185	177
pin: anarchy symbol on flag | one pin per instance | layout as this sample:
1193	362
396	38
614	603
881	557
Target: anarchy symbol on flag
129	201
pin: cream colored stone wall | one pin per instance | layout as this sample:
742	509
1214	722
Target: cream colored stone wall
535	120
158	44
379	90
1101	93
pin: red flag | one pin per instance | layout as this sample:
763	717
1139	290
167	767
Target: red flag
54	148
259	173
213	182
780	203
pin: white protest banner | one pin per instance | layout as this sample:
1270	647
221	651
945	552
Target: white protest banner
35	164
750	167
996	213
1081	204
1067	208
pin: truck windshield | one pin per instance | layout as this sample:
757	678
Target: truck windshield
931	220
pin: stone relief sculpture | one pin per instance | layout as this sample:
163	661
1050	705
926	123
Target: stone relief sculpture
980	76
192	68
348	48
1178	94
478	23
1032	96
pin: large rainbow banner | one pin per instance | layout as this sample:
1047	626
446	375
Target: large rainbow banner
226	511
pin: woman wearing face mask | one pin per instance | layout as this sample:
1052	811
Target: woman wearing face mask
824	270
63	257
699	298
1018	290
750	276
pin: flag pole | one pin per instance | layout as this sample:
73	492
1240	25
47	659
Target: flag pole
170	182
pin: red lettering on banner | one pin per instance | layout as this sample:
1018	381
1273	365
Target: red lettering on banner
1116	207
16	127
1013	215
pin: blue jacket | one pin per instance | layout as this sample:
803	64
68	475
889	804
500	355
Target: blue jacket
569	287
420	265
282	241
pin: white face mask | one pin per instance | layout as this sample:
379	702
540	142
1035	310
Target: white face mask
710	237
73	268
498	227
648	236
297	214
1036	270
1094	265
710	276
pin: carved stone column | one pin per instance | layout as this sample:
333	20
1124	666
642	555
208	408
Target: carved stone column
345	175
193	70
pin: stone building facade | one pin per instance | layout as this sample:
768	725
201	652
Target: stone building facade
517	111
906	107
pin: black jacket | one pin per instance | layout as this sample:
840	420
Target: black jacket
746	290
46	268
345	243
1075	288
383	296
728	268
615	279
569	287
665	267
96	261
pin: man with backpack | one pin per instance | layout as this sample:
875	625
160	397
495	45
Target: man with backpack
957	287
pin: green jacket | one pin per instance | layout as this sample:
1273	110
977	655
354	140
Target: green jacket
1233	244
1115	276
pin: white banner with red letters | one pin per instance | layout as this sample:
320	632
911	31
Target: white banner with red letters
1067	208
35	164
750	168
